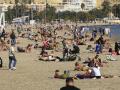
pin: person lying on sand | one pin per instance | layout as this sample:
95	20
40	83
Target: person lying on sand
44	56
25	49
65	75
49	58
86	75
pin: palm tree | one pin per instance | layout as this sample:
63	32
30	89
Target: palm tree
16	2
16	7
27	1
83	6
106	7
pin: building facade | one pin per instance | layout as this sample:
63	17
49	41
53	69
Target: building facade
77	5
65	5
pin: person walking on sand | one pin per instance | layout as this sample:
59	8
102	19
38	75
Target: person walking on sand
12	58
69	85
13	38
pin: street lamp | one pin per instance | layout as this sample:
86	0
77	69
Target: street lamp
17	9
45	12
32	10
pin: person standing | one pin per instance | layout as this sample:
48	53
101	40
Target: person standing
65	52
76	51
69	85
12	58
13	38
3	34
98	48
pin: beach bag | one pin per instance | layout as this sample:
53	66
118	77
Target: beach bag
1	62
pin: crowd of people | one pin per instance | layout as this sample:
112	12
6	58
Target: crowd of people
50	40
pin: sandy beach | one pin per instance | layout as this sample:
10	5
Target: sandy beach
32	74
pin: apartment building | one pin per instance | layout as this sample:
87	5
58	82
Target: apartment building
77	5
63	5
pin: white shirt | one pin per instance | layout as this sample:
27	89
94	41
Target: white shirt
96	71
107	31
11	51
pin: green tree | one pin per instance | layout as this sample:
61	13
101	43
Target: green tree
98	13
9	15
27	1
106	7
50	13
82	6
16	2
116	10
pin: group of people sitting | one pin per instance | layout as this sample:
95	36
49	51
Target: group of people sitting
89	74
89	71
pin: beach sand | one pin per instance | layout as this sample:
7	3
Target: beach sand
32	74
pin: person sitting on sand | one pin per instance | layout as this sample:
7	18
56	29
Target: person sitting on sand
76	49
91	62
65	52
96	57
96	72
57	75
110	51
62	76
80	41
99	62
69	85
44	53
79	67
45	43
29	47
21	49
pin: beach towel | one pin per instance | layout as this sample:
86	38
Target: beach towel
110	58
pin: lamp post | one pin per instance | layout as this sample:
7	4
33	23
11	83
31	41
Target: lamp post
45	12
32	10
116	8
